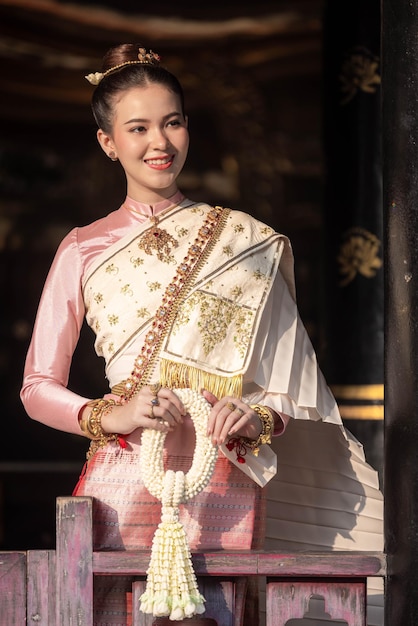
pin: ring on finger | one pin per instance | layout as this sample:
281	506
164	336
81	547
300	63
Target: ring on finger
152	416
155	388
239	411
155	401
231	406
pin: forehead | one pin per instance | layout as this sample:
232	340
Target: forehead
153	99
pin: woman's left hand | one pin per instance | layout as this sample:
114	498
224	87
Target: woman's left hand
231	416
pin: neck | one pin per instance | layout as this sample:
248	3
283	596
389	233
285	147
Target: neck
150	196
140	207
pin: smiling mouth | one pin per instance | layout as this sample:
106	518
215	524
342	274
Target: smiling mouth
161	161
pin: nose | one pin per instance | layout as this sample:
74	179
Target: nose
160	139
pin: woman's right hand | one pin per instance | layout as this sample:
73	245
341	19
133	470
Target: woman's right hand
164	414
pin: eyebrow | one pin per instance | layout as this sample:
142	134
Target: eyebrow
138	120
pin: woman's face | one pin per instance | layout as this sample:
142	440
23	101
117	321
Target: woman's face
150	139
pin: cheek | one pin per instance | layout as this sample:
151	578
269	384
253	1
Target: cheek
185	141
128	145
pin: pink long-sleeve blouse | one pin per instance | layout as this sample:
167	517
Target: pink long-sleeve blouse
60	315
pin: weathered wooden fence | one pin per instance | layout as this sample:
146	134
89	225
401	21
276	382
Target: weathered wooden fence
55	587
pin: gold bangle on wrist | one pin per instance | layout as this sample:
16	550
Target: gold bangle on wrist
92	426
267	428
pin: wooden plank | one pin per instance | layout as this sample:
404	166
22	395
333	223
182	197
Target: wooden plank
74	573
246	563
323	564
13	588
225	563
300	602
132	563
214	563
240	591
41	587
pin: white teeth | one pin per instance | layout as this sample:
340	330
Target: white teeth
158	161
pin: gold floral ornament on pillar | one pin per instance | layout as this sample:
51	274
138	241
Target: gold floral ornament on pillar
171	588
359	72
358	255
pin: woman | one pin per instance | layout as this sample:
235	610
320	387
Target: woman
183	295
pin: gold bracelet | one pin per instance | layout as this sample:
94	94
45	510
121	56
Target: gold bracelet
84	430
267	423
94	421
92	426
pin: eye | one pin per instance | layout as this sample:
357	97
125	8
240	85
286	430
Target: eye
176	122
137	129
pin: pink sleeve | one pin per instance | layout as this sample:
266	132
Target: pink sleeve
55	335
281	426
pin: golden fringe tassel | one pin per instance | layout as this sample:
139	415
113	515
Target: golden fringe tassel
177	375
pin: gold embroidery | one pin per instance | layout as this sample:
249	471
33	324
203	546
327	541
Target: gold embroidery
98	298
181	231
112	269
126	290
216	316
359	73
358	255
258	275
266	230
143	312
113	319
183	313
236	292
243	324
238	228
227	250
137	262
154	286
111	347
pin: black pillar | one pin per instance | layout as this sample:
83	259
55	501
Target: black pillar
400	175
353	251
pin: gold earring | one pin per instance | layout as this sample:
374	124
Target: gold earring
112	156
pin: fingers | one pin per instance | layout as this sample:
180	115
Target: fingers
209	397
230	416
161	425
164	406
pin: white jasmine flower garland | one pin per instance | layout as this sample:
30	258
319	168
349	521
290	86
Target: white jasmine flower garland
171	582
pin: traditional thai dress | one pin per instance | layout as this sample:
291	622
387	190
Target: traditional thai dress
233	329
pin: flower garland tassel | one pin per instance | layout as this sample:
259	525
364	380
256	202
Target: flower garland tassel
171	588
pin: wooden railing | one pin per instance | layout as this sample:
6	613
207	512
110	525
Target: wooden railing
55	588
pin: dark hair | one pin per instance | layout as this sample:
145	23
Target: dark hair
127	77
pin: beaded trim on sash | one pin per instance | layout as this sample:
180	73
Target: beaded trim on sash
182	281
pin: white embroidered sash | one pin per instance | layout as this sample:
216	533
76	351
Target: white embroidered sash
215	325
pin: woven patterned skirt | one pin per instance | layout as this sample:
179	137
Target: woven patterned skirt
228	514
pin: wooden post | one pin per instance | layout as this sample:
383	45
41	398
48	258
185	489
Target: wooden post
12	588
400	160
74	562
41	587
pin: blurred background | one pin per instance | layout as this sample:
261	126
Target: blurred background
284	117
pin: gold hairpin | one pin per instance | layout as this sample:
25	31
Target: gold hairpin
144	58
